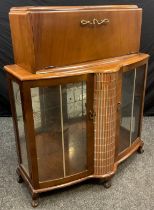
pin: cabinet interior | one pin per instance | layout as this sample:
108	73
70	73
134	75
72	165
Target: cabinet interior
60	129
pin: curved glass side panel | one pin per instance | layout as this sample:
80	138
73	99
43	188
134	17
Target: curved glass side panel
138	95
20	123
126	109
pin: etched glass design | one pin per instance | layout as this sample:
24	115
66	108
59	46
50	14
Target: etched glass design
74	123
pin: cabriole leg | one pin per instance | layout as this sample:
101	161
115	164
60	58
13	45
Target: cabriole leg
19	179
35	200
140	150
107	183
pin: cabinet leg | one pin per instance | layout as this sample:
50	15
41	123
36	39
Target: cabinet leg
107	184
19	179
35	200
140	150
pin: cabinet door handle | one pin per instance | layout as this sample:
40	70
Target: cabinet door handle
92	115
95	21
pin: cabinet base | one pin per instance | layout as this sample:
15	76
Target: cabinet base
105	179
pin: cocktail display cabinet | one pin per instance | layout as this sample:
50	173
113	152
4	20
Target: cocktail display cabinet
77	92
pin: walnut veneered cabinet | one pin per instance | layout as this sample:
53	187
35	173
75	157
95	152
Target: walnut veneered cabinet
57	36
76	114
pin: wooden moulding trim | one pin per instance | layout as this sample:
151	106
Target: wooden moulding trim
23	171
61	186
105	176
100	66
20	171
64	180
129	151
137	64
69	8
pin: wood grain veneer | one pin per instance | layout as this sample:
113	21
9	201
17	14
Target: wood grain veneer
49	36
107	65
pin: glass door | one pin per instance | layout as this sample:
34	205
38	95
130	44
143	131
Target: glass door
74	99
131	106
126	109
60	121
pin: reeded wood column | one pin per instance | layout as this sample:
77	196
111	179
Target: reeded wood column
105	106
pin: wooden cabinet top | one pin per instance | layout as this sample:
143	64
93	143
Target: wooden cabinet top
101	66
69	8
45	37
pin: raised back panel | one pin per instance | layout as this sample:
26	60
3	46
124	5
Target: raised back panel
69	35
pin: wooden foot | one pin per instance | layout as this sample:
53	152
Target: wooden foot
140	150
107	184
34	203
35	200
19	179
